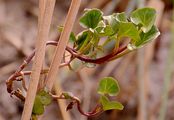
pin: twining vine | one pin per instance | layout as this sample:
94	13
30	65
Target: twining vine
118	28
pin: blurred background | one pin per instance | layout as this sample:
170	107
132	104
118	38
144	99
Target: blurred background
146	76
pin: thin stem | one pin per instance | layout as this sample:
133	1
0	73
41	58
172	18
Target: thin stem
101	60
74	54
126	51
97	110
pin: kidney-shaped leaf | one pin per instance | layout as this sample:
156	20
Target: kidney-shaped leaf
144	17
147	37
109	105
108	85
91	18
128	30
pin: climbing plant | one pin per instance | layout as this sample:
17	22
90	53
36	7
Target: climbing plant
126	33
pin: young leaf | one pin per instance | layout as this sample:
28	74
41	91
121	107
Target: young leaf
105	31
38	107
128	30
112	22
144	17
147	37
121	17
91	18
108	85
45	97
109	105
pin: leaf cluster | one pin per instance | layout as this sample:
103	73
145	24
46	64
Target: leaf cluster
138	27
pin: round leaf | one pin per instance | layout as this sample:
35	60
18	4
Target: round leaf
144	17
91	18
108	85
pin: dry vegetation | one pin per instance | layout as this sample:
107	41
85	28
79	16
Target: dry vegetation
141	78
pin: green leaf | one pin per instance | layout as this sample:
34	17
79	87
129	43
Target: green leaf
38	107
108	31
114	20
45	97
86	41
108	85
72	37
101	24
82	38
144	17
128	30
91	18
105	31
147	37
109	105
111	19
121	17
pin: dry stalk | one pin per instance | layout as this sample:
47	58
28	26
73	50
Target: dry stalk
42	36
70	19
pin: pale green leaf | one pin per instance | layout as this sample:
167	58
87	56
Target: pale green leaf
105	31
111	20
147	37
91	18
108	85
128	30
145	17
121	17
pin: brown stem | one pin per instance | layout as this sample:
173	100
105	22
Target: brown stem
98	60
74	54
97	110
70	50
89	114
